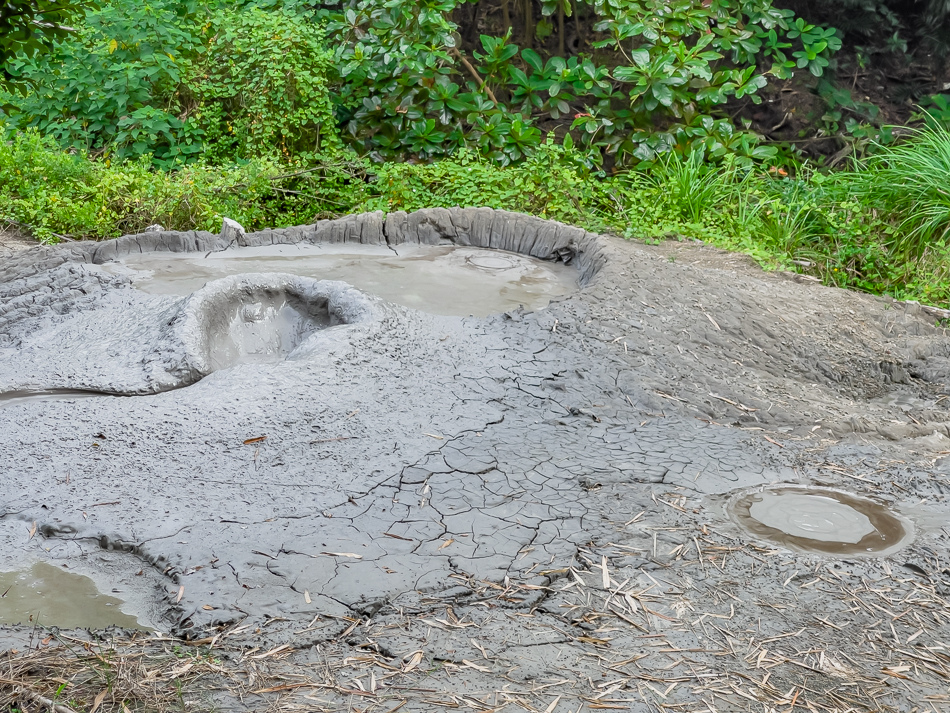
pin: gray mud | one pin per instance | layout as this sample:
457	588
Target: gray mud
539	494
444	280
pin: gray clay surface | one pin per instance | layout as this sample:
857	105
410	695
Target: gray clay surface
393	462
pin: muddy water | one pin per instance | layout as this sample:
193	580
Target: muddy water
828	521
266	330
13	398
51	596
24	396
441	280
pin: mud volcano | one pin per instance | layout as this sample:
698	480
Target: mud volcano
247	319
820	520
525	503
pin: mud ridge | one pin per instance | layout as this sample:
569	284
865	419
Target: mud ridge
471	227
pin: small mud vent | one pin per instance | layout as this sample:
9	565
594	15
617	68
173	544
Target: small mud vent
261	318
264	327
820	520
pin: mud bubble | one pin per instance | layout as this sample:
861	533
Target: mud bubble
820	520
49	596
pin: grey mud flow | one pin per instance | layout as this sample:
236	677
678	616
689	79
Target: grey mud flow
383	460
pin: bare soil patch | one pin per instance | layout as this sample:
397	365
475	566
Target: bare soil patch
12	241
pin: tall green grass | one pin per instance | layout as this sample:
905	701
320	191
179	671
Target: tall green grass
908	185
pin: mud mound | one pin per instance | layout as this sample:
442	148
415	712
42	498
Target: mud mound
559	478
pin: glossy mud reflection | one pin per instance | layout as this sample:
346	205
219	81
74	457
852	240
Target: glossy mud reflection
443	280
817	520
15	398
51	596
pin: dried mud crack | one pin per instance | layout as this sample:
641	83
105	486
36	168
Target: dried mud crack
525	511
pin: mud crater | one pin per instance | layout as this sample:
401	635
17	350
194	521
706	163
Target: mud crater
820	520
264	325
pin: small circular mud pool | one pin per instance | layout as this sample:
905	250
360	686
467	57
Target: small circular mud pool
820	520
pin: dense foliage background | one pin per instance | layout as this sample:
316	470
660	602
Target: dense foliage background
811	135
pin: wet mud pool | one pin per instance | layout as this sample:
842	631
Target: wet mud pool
529	508
49	596
437	279
21	396
816	520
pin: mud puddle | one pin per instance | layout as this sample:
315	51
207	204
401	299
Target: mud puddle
50	596
441	280
820	520
23	396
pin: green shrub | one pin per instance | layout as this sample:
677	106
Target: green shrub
58	193
659	79
181	82
107	89
553	183
260	85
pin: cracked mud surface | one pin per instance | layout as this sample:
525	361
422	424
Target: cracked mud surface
533	500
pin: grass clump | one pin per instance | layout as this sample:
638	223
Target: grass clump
908	184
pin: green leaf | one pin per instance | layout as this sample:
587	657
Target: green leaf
663	94
533	60
640	57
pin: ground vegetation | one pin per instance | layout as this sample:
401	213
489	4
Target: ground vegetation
812	137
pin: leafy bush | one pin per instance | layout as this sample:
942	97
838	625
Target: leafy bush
670	69
177	80
55	193
28	27
180	80
97	90
261	84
